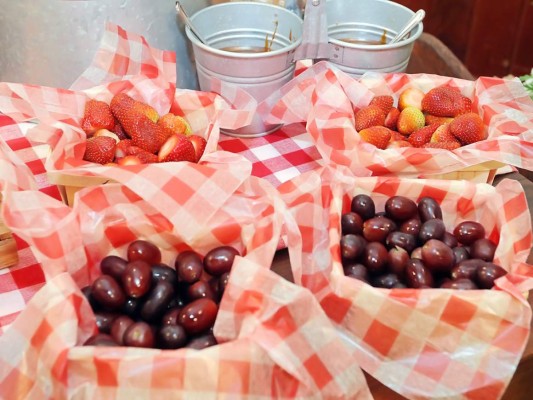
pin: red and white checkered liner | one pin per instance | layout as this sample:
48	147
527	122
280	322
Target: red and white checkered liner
326	97
432	343
124	63
276	340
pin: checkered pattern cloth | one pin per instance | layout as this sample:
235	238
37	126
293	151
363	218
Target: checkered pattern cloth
276	342
430	343
326	98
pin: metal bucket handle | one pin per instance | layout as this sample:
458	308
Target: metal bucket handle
314	44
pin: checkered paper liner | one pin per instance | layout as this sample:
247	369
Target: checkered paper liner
276	340
124	63
326	97
431	343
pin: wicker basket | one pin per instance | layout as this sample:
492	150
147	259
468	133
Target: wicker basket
68	185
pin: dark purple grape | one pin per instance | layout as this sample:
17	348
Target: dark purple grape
467	232
460	254
431	229
417	275
352	247
222	283
459	284
375	257
171	316
100	339
400	239
137	278
139	334
428	208
363	205
171	337
411	226
400	208
351	223
162	272
378	228
387	281
144	250
488	273
107	292
356	271
467	269
220	260
202	341
437	256
119	326
113	266
398	258
131	307
200	290
449	240
198	316
189	266
483	249
157	301
88	293
104	320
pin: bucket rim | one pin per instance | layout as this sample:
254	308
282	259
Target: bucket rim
266	54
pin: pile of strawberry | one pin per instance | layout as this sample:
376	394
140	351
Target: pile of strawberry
441	118
130	132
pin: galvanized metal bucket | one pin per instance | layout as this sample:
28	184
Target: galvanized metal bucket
254	53
358	33
52	42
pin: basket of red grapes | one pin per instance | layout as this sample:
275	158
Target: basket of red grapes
140	302
407	245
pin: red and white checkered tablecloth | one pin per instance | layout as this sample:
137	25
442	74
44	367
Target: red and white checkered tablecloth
276	157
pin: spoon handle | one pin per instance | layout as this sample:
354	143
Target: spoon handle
415	19
187	21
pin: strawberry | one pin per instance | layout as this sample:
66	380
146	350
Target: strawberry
410	97
468	128
432	119
129	160
444	145
384	102
146	158
369	116
122	148
97	115
410	119
391	119
100	149
379	136
467	105
396	144
442	134
144	133
175	124
395	135
443	101
119	131
147	110
177	148
422	136
199	144
105	132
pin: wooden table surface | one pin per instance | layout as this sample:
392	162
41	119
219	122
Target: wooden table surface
430	55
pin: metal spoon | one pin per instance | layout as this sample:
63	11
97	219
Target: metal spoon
188	22
415	19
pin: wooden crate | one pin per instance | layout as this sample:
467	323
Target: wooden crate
69	185
8	246
480	173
